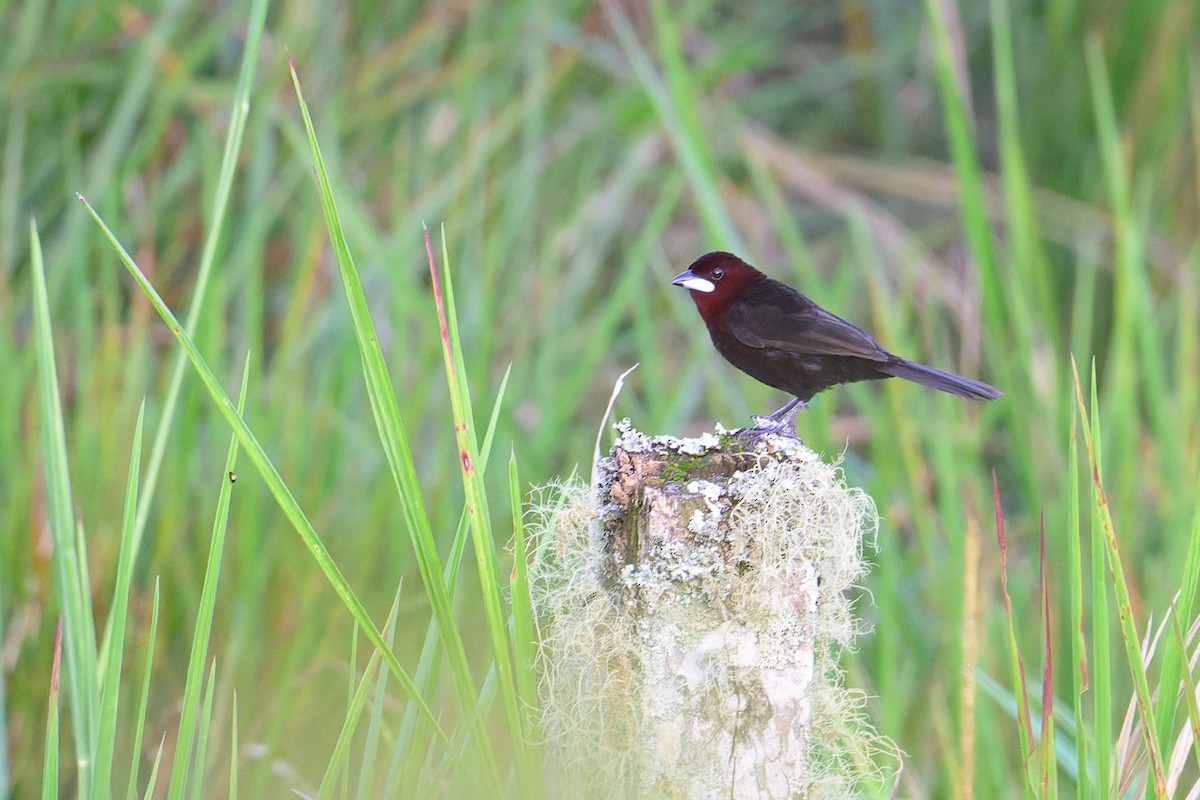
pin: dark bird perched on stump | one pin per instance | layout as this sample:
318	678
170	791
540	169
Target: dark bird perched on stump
778	336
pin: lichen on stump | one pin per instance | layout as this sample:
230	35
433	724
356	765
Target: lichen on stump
692	605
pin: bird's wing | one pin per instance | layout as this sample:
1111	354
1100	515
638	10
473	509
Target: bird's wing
791	322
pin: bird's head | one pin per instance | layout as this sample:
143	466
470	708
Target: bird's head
715	280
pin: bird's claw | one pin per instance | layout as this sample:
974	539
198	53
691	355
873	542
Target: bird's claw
765	425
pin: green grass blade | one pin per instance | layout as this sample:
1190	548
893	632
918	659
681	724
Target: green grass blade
50	751
1079	661
395	443
152	782
674	104
354	709
523	621
1191	701
1133	652
428	666
233	750
1176	664
202	737
371	744
279	490
1190	583
111	683
1048	764
1033	305
202	631
239	112
966	168
1016	663
79	634
143	702
476	496
1102	718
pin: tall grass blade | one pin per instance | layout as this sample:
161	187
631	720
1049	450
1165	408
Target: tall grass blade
111	684
395	445
1079	672
202	632
674	104
1016	663
476	499
239	113
966	169
337	759
406	757
1191	703
523	621
375	726
1133	653
1048	766
1102	657
279	490
143	703
70	580
233	750
50	745
202	735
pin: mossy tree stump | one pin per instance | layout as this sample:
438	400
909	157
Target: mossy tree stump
692	604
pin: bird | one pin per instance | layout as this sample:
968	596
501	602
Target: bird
776	335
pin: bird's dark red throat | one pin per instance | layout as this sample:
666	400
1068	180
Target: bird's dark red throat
773	333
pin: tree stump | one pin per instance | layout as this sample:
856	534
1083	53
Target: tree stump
692	605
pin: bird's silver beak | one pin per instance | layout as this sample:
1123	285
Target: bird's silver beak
690	280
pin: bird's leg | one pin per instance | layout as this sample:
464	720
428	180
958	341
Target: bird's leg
789	410
781	421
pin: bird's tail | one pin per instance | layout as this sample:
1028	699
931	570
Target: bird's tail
942	381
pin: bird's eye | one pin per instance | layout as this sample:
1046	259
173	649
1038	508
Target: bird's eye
717	274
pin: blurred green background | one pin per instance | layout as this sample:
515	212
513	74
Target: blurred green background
987	187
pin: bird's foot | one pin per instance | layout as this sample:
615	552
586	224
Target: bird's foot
781	423
764	425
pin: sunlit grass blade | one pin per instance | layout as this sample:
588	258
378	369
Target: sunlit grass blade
405	757
673	104
1034	306
238	114
970	181
233	750
478	511
353	685
1175	664
396	447
1133	653
1191	701
1102	679
375	726
1048	765
1079	672
143	703
279	490
202	737
79	633
1190	582
524	636
1016	663
50	743
965	780
111	683
202	630
337	760
152	781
